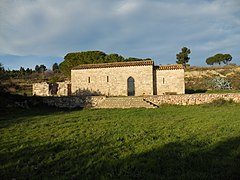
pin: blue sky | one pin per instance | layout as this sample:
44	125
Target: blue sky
44	31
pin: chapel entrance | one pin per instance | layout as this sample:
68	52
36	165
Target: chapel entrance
131	86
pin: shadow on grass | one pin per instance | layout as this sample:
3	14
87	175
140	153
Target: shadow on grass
186	161
176	160
16	108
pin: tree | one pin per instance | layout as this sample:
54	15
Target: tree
28	71
21	71
2	70
133	59
226	58
37	68
182	57
42	68
218	59
113	58
74	59
55	68
89	57
210	60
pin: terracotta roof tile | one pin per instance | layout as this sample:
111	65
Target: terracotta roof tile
170	67
115	64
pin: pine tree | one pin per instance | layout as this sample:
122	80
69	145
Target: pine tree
182	57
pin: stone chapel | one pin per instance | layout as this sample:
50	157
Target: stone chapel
135	78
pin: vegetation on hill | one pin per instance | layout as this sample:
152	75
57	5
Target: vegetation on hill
218	59
197	79
173	142
200	79
20	81
89	57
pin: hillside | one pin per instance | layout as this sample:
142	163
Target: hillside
222	71
199	78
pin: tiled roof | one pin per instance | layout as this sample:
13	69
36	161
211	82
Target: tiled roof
115	64
170	67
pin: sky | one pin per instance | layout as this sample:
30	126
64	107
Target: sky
44	31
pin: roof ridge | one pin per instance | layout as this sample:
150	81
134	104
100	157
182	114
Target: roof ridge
115	64
170	67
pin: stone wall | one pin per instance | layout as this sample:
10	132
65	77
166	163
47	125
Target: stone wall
41	89
98	101
73	101
170	81
64	88
191	99
112	81
52	89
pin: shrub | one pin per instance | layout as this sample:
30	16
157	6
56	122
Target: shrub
220	83
221	102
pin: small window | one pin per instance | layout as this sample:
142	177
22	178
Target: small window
107	78
163	80
89	80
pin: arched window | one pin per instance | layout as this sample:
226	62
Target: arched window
131	86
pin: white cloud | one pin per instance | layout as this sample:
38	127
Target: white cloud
127	7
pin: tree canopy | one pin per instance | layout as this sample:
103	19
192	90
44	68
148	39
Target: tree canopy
218	59
1	68
89	57
40	68
55	68
182	57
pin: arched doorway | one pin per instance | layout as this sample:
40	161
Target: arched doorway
131	86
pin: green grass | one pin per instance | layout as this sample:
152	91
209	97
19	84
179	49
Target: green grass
222	91
24	92
201	91
173	142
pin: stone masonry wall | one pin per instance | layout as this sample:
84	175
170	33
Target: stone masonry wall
94	101
112	81
170	81
41	89
191	99
63	88
73	101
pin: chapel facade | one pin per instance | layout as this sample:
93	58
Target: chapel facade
135	78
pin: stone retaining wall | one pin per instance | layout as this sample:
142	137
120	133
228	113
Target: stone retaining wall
191	99
94	101
73	101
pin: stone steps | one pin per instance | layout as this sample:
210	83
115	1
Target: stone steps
125	102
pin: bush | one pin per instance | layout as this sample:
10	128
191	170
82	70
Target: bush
220	83
221	102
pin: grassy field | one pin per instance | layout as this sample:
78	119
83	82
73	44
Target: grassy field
172	142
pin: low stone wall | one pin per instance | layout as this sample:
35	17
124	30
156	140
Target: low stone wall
191	99
73	101
93	101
